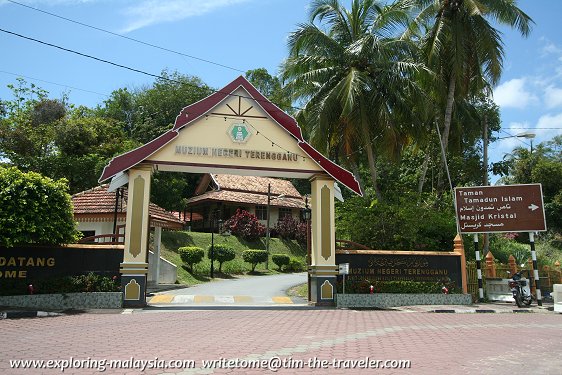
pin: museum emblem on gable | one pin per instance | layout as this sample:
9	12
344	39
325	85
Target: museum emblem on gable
239	133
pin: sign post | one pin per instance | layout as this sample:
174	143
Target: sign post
478	269
344	270
535	268
497	209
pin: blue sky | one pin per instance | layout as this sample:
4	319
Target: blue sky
240	34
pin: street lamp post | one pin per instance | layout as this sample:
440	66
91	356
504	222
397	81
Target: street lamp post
212	247
267	235
267	226
212	254
306	214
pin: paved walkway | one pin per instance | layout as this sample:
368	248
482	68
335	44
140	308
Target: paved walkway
300	342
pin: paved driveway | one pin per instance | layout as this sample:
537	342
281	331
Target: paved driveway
251	290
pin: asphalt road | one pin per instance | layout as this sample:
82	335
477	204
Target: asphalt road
250	290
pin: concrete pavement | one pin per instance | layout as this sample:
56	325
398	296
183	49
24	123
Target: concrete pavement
310	341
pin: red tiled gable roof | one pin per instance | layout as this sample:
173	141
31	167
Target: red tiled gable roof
245	198
254	184
194	111
100	202
247	190
187	217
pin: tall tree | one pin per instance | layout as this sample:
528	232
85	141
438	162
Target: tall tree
271	87
47	136
462	47
542	164
353	75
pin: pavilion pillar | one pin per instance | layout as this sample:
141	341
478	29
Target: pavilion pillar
323	270
156	247
134	268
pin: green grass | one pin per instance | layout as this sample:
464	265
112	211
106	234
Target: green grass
299	291
171	241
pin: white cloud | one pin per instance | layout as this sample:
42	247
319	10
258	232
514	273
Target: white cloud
553	97
551	49
548	126
151	12
514	94
510	139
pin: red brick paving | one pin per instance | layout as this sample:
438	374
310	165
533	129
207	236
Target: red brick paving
435	343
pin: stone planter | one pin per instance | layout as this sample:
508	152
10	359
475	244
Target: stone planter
384	300
94	300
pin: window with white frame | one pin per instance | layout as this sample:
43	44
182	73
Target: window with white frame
284	211
261	212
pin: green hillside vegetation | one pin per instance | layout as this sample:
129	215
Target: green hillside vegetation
171	241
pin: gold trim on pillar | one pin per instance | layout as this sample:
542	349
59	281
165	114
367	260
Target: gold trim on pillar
137	212
133	265
327	290
132	291
134	271
325	224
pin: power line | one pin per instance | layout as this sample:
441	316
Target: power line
516	137
126	37
134	69
535	128
54	83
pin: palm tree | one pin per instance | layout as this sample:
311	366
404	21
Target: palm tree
354	76
462	47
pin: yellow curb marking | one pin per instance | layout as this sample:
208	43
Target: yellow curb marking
242	299
282	300
204	299
162	298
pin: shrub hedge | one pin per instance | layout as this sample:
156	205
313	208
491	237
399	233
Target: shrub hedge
399	287
66	284
34	210
254	257
191	255
222	253
280	260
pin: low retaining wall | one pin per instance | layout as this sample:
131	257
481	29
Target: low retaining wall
557	295
168	270
94	300
499	290
384	300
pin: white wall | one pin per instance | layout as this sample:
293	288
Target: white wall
274	215
168	270
100	227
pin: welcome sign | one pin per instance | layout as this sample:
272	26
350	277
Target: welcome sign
39	262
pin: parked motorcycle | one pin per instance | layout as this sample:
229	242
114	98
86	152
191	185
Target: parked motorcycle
520	294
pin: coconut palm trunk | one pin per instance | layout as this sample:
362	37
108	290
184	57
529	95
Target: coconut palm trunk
373	170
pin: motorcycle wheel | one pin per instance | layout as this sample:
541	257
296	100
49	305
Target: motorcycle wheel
518	300
527	301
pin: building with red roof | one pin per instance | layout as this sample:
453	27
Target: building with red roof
99	210
226	193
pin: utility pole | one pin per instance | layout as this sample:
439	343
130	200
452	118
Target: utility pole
267	227
485	236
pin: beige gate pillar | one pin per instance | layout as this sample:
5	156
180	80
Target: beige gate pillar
323	269
134	268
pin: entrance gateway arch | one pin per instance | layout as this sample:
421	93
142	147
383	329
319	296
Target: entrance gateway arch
236	130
